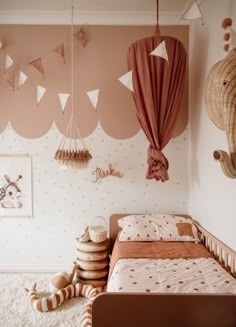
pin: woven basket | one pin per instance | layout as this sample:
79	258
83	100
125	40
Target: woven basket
219	96
98	229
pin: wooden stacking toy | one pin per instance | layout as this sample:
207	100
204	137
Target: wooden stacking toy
93	262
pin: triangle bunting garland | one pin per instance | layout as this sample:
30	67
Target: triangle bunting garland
40	93
60	50
10	75
160	51
81	36
37	63
127	80
63	97
93	96
8	62
22	79
193	12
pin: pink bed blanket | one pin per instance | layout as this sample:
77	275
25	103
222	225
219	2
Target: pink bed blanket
167	267
157	250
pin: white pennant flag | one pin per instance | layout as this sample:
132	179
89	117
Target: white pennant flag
93	96
22	79
160	51
127	80
8	62
40	93
193	12
63	99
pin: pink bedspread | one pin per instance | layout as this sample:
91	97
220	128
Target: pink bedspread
173	268
157	250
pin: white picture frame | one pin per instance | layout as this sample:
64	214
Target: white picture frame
15	185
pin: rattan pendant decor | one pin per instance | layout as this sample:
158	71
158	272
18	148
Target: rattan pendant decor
69	153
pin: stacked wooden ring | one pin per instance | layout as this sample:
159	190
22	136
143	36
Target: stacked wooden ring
93	261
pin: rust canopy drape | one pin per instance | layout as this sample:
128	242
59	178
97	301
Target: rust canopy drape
158	85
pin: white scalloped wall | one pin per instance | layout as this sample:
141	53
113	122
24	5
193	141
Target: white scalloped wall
65	200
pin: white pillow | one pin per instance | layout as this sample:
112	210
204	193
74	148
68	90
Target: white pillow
157	227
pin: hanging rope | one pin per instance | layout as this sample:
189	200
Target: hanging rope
69	154
72	61
157	30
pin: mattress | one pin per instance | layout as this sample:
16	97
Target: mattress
167	267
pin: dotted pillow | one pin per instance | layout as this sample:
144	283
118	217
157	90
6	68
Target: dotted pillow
157	227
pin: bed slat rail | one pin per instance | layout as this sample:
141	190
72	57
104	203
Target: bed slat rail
225	255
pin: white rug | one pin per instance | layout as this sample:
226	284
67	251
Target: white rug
15	310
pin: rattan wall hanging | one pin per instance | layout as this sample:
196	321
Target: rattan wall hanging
69	153
220	98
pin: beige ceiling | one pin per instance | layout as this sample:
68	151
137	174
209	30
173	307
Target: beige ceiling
94	12
93	5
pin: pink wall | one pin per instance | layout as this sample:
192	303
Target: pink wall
96	66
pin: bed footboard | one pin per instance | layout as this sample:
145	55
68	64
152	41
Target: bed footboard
168	310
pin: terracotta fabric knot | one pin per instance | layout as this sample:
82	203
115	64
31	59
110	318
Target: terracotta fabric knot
157	165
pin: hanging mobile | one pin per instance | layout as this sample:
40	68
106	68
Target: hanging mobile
68	153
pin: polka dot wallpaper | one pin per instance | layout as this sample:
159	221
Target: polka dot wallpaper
64	201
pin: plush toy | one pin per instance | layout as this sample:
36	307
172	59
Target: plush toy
84	237
63	289
62	279
55	300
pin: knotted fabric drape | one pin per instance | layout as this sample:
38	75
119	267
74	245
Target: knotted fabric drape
158	89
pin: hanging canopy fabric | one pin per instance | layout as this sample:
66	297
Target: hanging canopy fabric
158	86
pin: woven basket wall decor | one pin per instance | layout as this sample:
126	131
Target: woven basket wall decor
220	99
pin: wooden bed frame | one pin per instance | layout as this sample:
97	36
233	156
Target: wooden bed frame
169	310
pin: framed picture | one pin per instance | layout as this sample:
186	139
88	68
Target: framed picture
15	185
